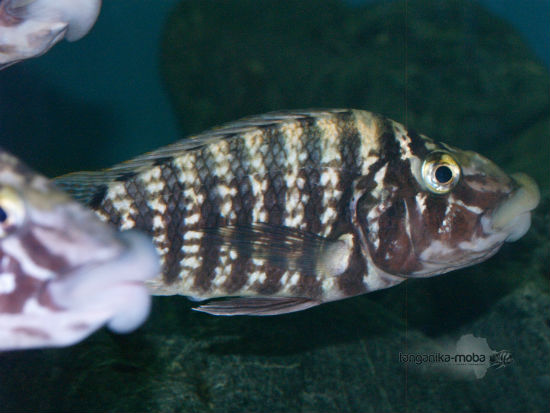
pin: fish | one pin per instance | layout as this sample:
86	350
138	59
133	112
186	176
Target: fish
284	211
63	272
29	28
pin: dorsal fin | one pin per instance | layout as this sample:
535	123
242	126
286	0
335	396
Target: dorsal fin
85	186
228	130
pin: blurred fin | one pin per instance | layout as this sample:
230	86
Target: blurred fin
258	306
285	247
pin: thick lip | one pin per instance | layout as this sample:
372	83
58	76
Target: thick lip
524	199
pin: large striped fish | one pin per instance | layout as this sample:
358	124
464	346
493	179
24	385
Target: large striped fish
288	210
63	272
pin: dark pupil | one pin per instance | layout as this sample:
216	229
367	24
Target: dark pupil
443	174
3	215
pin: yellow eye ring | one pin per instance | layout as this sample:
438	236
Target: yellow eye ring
440	172
12	211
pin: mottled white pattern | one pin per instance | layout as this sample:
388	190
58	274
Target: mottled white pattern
123	204
369	138
329	142
404	140
294	202
329	180
152	181
259	187
223	269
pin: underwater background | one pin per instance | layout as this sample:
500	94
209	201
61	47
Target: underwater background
473	74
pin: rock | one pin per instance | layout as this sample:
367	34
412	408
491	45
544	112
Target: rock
448	69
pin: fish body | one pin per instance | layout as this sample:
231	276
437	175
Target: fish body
63	272
29	28
292	209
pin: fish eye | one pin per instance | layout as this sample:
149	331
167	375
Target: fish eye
12	211
443	174
440	172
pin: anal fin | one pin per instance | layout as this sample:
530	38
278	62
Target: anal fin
258	306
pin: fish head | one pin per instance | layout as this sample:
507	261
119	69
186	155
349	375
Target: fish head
63	272
29	28
434	208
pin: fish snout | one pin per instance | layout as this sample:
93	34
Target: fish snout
513	216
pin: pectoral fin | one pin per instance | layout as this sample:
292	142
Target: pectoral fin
287	248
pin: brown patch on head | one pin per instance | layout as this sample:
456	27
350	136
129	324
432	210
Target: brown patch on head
485	199
40	254
7	48
7	19
31	332
25	287
392	249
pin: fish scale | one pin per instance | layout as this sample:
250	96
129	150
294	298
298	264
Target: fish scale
292	209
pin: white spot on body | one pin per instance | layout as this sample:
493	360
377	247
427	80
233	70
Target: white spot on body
258	186
283	280
471	208
294	279
421	202
484	244
253	278
190	263
32	306
192	235
328	285
258	262
7	283
151	174
436	251
376	279
226	209
445	226
158	223
157	205
192	219
328	215
225	190
329	180
191	249
123	203
222	271
379	180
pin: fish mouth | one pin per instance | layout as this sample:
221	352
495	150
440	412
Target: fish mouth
111	291
513	216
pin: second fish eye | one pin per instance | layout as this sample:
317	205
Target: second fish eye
12	211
